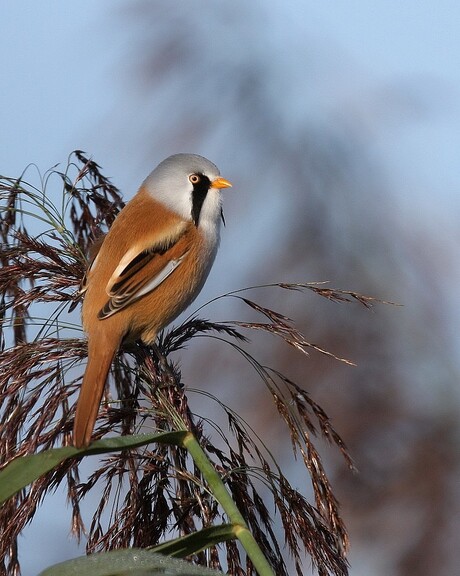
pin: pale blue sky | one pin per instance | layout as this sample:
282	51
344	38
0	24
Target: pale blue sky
55	55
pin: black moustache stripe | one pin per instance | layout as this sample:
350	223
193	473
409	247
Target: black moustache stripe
200	190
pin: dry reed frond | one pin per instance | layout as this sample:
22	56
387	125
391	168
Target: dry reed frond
149	493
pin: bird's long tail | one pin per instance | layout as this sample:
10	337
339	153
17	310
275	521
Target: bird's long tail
100	356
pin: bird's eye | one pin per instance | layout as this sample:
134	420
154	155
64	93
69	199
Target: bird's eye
194	178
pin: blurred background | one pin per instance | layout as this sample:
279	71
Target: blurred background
339	126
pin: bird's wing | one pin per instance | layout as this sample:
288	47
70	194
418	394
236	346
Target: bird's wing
143	268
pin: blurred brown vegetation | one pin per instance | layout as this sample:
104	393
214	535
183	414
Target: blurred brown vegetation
312	203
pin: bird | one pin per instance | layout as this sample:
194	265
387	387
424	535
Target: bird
150	266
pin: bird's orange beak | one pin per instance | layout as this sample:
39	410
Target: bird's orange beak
221	183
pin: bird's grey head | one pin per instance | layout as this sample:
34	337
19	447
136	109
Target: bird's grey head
189	185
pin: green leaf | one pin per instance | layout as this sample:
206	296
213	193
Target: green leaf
196	542
24	470
132	562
